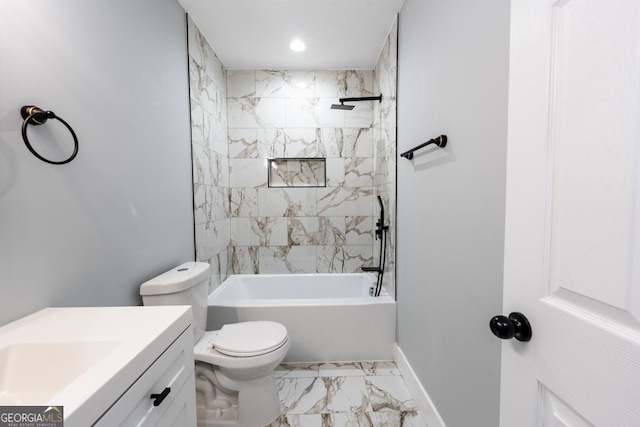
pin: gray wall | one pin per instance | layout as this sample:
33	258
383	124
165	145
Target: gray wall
89	232
453	79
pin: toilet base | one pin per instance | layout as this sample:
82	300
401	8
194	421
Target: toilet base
217	417
222	401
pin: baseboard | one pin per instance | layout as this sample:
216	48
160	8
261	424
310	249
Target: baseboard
425	404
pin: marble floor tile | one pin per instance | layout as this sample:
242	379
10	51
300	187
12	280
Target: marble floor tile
314	420
323	395
412	419
297	370
365	419
302	395
351	419
389	393
358	369
346	394
359	394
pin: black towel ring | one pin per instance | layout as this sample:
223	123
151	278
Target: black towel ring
33	115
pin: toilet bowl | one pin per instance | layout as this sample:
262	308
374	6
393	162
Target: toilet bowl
234	374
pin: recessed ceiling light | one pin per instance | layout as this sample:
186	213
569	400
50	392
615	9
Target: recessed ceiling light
297	45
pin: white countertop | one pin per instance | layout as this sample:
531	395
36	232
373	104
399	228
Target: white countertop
104	349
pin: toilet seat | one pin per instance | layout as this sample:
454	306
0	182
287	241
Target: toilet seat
248	339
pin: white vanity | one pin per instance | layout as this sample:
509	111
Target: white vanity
102	364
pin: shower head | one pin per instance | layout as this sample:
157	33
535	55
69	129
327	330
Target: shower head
341	106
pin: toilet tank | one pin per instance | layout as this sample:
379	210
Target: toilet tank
187	284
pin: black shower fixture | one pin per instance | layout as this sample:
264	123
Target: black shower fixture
341	106
381	232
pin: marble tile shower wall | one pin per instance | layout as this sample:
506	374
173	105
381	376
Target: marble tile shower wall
207	84
286	114
384	137
242	118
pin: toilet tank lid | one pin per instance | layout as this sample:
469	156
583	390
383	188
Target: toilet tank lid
177	279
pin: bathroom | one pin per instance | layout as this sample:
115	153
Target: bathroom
90	232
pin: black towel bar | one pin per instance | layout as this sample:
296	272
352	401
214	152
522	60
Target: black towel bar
440	141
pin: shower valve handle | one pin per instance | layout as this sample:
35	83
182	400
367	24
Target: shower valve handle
380	227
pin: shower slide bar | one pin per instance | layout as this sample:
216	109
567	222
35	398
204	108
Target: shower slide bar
440	141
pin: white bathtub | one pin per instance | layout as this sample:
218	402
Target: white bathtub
329	317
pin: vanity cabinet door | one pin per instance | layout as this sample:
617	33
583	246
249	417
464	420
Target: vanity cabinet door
166	379
182	411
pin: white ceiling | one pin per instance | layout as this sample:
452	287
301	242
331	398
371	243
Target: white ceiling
255	34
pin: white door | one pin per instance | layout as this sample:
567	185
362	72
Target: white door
572	254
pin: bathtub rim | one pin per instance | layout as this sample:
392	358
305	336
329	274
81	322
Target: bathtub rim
213	300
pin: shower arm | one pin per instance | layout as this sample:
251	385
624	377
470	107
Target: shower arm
342	105
362	98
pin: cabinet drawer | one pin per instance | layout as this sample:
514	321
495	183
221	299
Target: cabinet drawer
172	369
182	412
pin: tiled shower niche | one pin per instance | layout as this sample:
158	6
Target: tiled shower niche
282	173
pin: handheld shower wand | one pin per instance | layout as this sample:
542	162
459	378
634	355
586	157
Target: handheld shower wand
380	224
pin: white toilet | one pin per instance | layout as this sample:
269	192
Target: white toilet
235	383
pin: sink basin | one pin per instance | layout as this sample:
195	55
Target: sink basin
83	358
32	372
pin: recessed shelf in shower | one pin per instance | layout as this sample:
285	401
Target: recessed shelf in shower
297	172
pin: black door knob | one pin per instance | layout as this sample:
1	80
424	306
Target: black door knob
515	326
